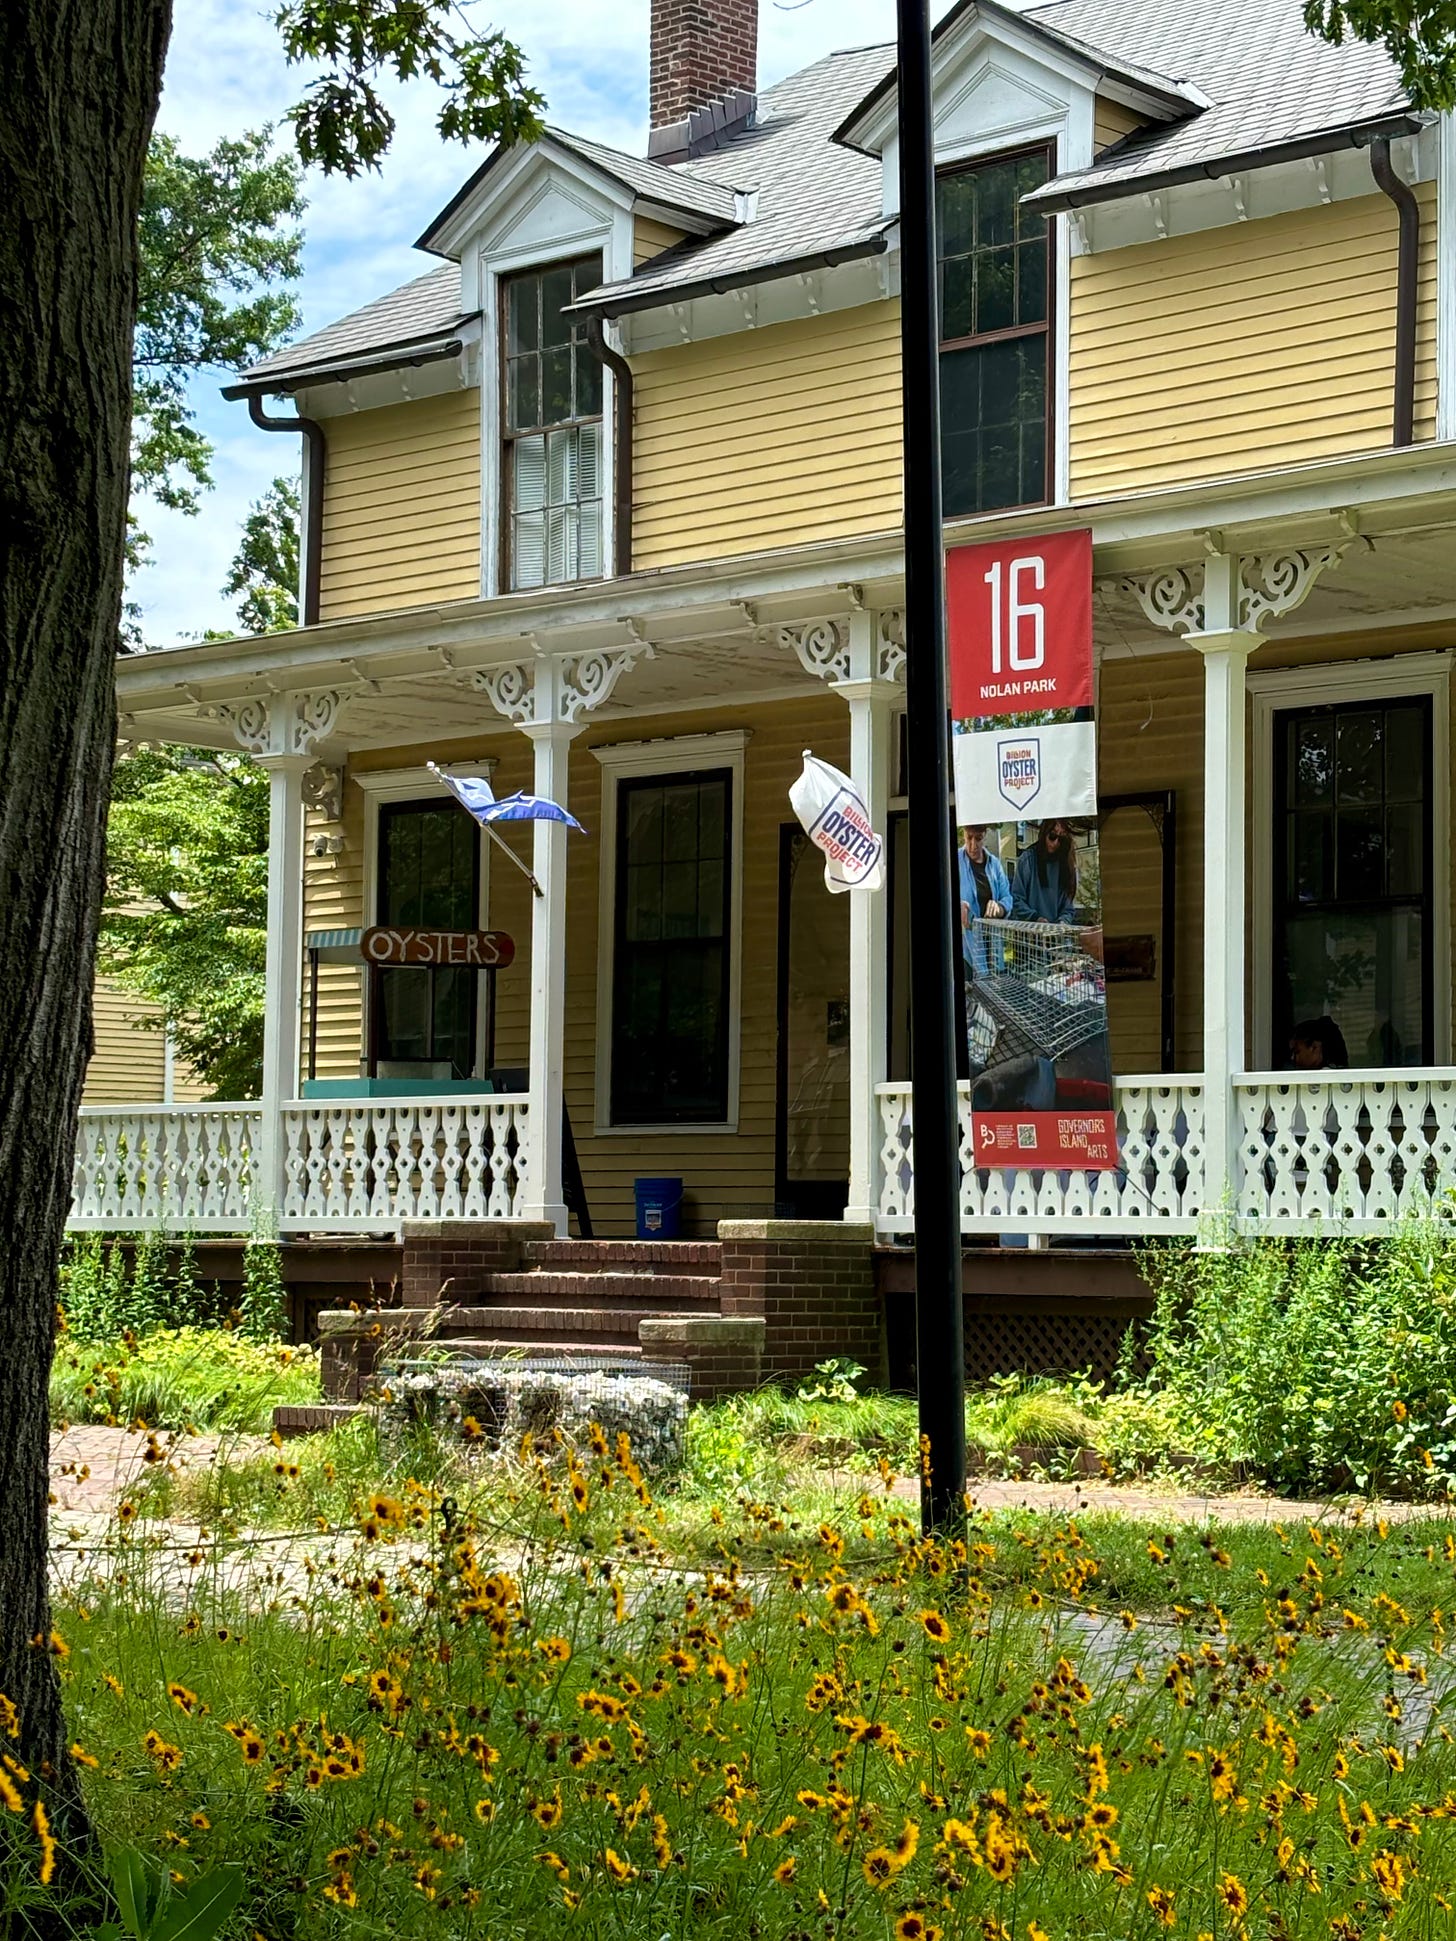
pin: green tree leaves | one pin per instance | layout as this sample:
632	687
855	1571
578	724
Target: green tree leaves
343	125
220	250
265	567
1419	36
185	921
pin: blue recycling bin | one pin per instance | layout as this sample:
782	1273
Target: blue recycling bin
659	1208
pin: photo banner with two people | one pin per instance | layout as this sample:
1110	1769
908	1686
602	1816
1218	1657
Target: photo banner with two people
1030	902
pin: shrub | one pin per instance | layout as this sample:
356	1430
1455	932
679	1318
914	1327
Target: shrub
110	1289
1318	1363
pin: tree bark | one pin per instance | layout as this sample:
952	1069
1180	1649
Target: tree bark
79	85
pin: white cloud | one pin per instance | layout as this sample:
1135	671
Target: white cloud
226	73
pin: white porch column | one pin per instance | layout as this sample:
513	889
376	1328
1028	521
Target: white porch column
871	699
552	741
283	975
1225	647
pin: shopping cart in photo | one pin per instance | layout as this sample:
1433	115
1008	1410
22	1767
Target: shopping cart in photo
1037	994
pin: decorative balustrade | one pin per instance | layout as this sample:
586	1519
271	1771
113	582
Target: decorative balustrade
354	1165
1156	1188
185	1169
1353	1149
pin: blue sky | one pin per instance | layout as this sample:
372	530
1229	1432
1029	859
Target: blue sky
226	73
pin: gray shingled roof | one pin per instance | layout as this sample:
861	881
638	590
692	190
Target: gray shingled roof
416	313
1268	81
813	195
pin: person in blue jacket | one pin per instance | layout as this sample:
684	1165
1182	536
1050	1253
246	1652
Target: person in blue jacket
1044	882
985	895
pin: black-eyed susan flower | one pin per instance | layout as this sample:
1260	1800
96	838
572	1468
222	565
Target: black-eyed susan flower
784	1872
1233	1896
935	1626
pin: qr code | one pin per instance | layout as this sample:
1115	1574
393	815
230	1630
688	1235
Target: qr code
1026	1137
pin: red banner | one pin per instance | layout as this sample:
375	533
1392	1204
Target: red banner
1019	616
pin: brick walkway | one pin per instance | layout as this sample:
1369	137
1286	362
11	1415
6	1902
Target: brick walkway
94	1468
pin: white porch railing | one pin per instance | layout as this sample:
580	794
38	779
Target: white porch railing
1158	1187
185	1169
355	1165
1351	1150
1354	1149
350	1165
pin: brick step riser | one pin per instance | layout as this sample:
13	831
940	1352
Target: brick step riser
608	1290
543	1324
673	1259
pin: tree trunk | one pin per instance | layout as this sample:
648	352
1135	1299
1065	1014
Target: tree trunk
79	84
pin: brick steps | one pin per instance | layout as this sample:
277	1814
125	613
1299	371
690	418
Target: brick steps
672	1258
498	1348
544	1325
547	1288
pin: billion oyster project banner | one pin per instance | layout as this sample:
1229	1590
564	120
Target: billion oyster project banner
1025	766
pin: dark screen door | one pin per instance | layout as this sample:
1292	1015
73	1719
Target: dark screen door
1352	877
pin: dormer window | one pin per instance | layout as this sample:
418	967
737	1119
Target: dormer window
551	471
995	279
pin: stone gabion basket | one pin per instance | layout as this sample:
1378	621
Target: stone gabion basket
500	1403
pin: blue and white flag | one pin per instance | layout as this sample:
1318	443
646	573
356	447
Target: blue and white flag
836	821
476	795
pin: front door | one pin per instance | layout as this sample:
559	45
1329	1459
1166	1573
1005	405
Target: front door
1353	873
425	1021
813	1042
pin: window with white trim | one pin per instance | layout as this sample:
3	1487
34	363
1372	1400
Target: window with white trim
551	414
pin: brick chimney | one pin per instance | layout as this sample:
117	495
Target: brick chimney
702	51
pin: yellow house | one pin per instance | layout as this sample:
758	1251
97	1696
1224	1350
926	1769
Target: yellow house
606	506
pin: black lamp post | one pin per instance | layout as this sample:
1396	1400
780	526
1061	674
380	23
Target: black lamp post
939	1328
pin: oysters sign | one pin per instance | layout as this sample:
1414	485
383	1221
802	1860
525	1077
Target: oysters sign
1020	624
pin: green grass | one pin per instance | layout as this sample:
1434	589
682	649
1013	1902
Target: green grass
210	1379
929	1732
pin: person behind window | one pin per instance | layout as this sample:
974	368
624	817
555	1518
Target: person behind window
985	894
1044	882
1318	1045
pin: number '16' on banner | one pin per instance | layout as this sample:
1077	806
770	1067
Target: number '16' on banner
1020	623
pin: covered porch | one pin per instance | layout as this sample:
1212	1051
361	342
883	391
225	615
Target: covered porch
1222	623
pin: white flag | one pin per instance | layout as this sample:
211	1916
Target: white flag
835	819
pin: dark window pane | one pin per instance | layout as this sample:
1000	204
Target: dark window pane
995	290
556	385
995	205
555	296
428	878
1405	755
1359	855
1405	849
523	327
1359	767
1312	860
1314	763
1031	173
588	384
955	297
523	393
955	197
1031	283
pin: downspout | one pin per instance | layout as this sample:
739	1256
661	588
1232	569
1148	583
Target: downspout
313	499
1407	272
622	442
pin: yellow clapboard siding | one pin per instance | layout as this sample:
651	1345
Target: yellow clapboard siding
129	1064
1263	343
787	394
333	890
650	238
1110	122
1150	737
401	520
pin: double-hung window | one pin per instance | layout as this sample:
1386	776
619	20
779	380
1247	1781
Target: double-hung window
551	470
671	981
995	336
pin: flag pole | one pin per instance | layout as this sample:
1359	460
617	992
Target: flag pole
499	841
939	1324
